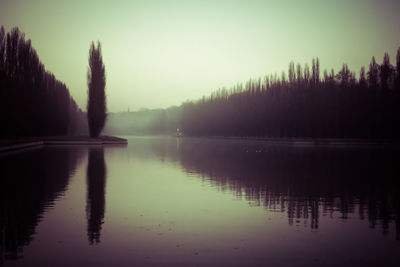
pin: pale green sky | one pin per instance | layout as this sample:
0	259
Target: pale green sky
160	53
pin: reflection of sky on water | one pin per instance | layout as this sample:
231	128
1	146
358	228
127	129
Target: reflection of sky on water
160	202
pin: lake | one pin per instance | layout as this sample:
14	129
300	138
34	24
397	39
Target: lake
164	201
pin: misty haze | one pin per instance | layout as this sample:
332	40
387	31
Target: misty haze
199	133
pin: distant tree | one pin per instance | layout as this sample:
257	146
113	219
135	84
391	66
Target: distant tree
373	74
332	75
362	82
344	76
291	73
385	72
398	69
306	74
352	79
11	52
283	78
2	47
96	107
317	72
313	73
299	74
329	78
326	76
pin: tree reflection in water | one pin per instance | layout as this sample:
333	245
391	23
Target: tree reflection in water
304	182
30	183
96	182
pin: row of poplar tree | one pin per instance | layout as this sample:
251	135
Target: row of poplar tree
32	101
303	104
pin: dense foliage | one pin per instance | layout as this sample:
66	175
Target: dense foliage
32	101
303	105
96	107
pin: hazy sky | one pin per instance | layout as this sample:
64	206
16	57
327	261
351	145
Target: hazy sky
160	53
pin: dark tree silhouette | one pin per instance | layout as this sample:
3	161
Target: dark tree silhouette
96	108
373	73
2	47
398	69
362	81
32	101
303	106
291	74
96	184
386	72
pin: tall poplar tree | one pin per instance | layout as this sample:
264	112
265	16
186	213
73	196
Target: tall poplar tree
96	107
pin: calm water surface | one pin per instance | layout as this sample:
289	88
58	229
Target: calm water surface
193	202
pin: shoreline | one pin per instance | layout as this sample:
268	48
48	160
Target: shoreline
21	144
308	141
28	143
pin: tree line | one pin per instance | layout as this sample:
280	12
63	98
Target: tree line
32	101
302	104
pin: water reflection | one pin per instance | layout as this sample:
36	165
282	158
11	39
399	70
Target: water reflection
96	183
304	182
172	201
30	183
